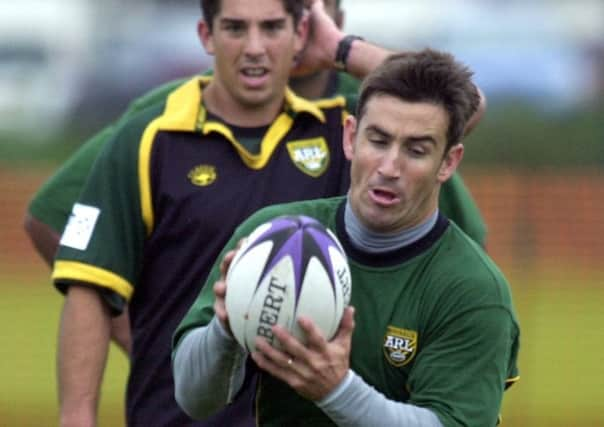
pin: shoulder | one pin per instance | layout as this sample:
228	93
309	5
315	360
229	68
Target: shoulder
133	127
324	110
348	87
155	95
347	84
456	203
472	277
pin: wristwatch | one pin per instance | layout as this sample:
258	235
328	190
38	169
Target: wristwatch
343	51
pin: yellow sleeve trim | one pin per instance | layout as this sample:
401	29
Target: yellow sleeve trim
513	380
80	272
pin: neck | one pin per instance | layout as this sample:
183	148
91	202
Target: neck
374	242
312	86
221	103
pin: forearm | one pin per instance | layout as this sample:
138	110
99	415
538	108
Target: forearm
364	57
208	368
120	332
354	403
82	355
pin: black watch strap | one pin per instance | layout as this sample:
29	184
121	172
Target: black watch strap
344	50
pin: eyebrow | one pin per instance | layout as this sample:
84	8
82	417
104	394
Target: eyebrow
422	138
229	20
376	129
413	139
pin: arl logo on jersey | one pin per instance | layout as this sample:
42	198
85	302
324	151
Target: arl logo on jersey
311	156
202	175
400	345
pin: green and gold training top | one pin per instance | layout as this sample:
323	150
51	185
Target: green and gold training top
435	325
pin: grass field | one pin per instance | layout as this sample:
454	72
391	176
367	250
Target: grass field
561	362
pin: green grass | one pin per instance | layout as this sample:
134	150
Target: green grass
29	315
561	354
560	360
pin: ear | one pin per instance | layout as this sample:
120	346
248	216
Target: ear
205	36
450	162
302	33
350	134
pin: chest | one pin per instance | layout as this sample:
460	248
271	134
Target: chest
206	183
392	315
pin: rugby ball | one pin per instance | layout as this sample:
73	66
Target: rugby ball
288	267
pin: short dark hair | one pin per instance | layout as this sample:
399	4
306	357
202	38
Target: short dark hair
210	8
426	76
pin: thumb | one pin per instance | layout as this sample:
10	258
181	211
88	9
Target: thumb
346	324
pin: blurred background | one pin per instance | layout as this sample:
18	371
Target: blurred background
535	166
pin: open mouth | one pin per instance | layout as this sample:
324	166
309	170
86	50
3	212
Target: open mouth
254	72
384	197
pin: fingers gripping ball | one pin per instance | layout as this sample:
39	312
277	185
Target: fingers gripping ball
288	267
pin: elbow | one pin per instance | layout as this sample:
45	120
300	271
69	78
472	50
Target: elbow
188	399
28	226
186	393
44	238
184	402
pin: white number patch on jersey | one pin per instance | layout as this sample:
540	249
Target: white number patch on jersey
80	226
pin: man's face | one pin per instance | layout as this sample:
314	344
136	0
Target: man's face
398	162
254	43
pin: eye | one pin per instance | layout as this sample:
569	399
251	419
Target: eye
417	150
234	28
377	141
272	27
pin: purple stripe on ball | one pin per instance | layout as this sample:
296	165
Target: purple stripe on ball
292	247
324	241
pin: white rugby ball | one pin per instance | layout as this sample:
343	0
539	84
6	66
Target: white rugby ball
288	267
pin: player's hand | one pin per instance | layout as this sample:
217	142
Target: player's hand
313	370
319	52
220	288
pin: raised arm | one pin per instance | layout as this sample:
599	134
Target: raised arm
322	45
359	58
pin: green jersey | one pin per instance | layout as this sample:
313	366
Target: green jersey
435	324
53	201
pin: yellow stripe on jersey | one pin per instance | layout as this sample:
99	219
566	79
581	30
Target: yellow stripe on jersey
511	381
180	114
336	101
144	175
77	271
300	105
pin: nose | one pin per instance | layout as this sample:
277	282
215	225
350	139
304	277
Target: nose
391	164
254	44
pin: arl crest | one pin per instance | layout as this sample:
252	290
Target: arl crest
202	175
311	156
400	346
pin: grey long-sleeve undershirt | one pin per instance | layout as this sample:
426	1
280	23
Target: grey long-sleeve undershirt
209	369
